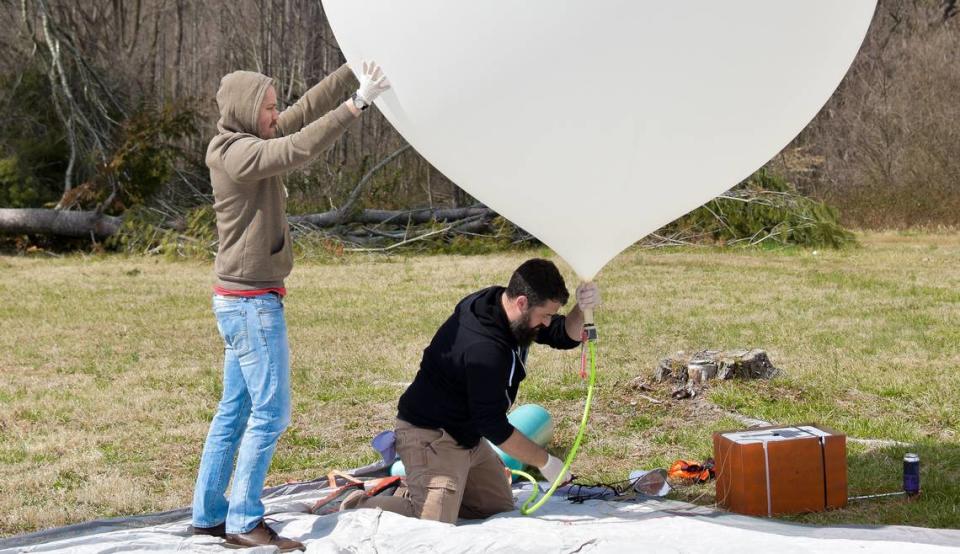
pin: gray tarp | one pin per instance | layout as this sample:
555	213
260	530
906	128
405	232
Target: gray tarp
651	525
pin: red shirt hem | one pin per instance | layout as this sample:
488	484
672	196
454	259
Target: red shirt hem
282	291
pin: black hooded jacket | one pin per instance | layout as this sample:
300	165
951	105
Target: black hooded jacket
471	371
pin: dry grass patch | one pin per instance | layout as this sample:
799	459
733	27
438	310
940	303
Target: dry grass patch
111	366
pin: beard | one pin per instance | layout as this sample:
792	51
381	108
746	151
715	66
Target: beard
522	331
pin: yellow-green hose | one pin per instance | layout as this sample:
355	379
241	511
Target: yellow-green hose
526	508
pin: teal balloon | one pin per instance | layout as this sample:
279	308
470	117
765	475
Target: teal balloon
535	423
532	420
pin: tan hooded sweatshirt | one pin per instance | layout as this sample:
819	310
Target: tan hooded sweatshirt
249	198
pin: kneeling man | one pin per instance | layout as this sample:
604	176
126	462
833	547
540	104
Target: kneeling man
468	379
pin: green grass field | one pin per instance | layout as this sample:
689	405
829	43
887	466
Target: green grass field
110	367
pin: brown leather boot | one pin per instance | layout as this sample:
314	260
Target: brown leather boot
261	535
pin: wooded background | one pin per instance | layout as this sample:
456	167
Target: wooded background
107	106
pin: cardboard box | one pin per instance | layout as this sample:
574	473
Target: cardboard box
781	470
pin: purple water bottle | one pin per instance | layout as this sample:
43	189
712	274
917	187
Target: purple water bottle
911	474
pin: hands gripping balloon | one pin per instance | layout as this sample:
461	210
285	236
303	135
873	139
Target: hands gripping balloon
588	298
373	82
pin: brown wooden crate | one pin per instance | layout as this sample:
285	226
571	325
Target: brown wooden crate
805	474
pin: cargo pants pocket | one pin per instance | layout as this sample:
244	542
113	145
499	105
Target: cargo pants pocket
442	502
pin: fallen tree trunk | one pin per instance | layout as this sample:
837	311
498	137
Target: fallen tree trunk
395	217
82	223
64	223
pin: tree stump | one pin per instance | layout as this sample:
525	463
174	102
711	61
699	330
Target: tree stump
690	373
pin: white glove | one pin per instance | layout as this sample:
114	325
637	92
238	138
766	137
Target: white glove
372	82
588	296
552	469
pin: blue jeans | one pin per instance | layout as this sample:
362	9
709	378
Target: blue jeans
253	412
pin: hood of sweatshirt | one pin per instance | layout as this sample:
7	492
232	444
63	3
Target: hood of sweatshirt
239	98
483	314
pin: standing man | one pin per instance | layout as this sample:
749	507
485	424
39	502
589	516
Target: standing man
254	146
468	379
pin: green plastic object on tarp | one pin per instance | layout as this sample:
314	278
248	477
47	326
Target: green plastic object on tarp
532	420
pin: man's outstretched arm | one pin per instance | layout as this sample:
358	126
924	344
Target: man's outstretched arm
320	99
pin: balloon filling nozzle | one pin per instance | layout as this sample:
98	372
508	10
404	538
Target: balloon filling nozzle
590	332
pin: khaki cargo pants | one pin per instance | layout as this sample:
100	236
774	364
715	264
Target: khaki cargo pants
445	480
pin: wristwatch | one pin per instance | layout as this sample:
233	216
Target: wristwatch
359	102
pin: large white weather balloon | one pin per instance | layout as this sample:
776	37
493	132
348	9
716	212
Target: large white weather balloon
591	123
